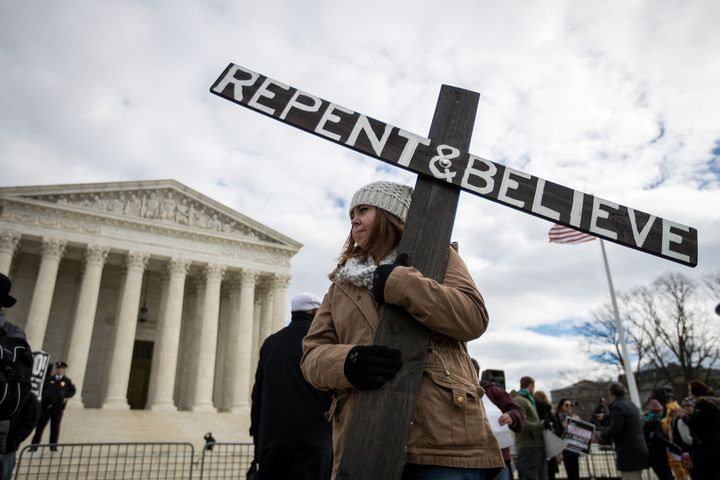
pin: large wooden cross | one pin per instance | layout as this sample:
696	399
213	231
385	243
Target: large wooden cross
381	424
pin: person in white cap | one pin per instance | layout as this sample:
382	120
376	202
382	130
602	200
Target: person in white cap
292	437
450	436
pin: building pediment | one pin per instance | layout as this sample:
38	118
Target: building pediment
162	203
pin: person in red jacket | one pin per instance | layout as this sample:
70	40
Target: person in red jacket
512	416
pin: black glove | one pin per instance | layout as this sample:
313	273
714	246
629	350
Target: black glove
547	424
381	275
370	366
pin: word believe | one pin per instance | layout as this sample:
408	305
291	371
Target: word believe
476	175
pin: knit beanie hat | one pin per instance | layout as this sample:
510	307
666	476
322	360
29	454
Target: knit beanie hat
389	196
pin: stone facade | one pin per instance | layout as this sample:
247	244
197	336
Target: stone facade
85	259
585	395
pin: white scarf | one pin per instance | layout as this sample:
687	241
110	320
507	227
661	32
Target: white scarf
359	270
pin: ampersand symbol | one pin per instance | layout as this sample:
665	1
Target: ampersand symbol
444	158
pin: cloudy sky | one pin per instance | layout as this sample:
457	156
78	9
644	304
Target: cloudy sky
616	98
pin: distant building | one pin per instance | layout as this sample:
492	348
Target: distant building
585	394
157	296
650	379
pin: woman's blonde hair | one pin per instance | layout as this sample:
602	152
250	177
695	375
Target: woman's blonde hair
384	237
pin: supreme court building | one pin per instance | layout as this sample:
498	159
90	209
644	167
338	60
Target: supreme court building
156	296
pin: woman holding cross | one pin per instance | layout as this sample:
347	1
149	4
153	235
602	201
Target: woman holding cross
450	436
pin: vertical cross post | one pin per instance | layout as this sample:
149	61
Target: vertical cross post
380	427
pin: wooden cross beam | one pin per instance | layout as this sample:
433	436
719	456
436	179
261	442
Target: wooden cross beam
453	164
380	426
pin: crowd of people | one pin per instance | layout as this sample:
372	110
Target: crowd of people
331	342
310	375
683	438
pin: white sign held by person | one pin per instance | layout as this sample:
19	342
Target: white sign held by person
41	360
502	432
578	435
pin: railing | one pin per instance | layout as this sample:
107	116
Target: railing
105	461
599	465
226	460
178	461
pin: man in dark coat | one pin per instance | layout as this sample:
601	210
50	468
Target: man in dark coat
56	391
705	428
21	426
626	432
7	329
292	437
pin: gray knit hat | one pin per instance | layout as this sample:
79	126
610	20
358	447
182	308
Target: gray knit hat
389	196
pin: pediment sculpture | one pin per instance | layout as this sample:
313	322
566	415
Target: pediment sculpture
162	205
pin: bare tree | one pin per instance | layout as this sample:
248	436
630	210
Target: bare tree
674	316
712	284
601	335
670	327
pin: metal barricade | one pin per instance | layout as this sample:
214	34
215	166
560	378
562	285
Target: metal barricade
176	461
226	460
106	461
598	465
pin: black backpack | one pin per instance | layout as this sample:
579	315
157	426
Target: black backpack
16	365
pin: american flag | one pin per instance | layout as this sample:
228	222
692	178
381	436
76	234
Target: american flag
561	234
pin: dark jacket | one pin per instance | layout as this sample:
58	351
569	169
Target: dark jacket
10	330
22	424
626	432
677	425
287	412
57	391
705	428
545	414
657	441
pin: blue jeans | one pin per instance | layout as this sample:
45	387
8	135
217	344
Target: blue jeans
8	462
504	474
431	472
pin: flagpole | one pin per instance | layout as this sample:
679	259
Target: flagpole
629	375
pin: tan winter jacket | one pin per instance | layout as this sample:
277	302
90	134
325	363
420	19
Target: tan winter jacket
449	427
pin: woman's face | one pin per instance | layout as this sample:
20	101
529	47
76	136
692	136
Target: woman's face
567	406
362	219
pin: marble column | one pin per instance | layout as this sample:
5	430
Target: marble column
165	286
280	311
257	321
167	338
266	320
125	328
81	336
8	245
37	318
193	348
205	374
221	385
242	342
